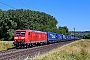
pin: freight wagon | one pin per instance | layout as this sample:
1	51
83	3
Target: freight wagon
51	37
68	37
59	37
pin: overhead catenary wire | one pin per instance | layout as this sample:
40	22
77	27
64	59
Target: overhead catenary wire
31	4
7	5
23	4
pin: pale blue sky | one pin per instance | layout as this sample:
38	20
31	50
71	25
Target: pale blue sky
70	13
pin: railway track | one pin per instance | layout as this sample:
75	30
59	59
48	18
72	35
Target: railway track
21	54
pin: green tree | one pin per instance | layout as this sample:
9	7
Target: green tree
63	30
11	20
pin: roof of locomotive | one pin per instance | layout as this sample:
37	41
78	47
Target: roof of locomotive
21	30
38	31
32	31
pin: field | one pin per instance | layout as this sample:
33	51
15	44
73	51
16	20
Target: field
4	45
78	50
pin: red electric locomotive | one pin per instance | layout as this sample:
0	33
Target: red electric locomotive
26	38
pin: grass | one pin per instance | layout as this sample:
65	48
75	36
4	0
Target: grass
4	45
78	50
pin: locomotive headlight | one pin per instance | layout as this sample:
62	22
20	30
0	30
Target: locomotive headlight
22	37
15	37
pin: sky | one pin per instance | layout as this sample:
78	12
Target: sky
70	13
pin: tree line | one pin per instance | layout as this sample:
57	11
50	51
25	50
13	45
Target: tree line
87	36
83	34
12	20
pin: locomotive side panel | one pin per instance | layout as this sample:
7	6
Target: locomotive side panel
38	36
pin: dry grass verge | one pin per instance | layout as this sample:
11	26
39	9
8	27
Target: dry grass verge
78	50
4	45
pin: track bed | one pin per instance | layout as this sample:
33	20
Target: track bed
16	54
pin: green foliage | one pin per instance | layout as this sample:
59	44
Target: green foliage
86	36
63	30
21	19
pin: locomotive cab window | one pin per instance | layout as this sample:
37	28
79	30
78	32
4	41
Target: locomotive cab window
17	33
20	33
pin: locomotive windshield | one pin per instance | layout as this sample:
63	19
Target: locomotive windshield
20	33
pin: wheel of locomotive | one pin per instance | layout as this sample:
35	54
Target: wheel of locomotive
41	43
25	46
33	44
